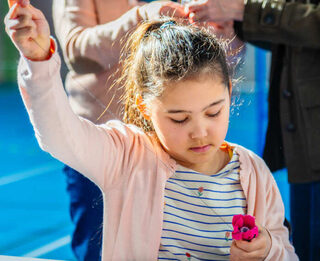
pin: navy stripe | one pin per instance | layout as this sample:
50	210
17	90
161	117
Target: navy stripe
200	230
193	235
188	172
211	190
179	239
195	250
194	212
203	206
204	181
214	199
231	179
219	174
216	223
166	258
234	173
193	257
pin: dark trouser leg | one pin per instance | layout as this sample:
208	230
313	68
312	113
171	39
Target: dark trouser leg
86	210
305	220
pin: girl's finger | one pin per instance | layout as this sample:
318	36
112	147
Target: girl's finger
22	34
36	13
254	245
235	252
23	3
20	22
17	10
23	37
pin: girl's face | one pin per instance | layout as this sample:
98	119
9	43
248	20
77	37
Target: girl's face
191	121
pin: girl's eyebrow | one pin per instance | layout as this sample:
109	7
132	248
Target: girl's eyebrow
205	108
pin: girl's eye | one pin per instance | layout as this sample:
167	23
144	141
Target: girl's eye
214	115
179	121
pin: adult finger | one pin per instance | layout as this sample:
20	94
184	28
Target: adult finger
199	16
174	10
196	6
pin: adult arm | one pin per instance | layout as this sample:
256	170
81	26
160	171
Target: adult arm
90	46
270	21
279	22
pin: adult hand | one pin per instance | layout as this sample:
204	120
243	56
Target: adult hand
156	9
255	250
216	10
28	30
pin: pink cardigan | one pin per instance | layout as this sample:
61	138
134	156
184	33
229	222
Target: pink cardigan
131	169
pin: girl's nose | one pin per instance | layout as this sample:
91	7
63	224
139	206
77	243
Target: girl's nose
198	132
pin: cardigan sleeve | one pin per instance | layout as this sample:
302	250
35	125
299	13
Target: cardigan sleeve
281	249
280	22
98	152
269	211
265	203
88	46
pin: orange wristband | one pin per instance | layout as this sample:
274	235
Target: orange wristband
52	49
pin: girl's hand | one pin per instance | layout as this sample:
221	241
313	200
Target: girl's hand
28	30
157	9
256	250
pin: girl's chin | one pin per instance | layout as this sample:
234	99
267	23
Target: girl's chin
193	161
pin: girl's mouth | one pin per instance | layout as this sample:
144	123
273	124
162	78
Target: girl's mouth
201	149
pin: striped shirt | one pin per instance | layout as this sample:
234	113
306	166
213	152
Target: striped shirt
198	213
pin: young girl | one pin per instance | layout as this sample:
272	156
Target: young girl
171	184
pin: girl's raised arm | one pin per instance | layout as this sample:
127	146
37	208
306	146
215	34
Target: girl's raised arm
90	149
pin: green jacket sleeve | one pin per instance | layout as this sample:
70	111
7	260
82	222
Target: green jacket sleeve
281	22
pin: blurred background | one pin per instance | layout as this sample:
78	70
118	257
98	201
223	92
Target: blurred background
34	219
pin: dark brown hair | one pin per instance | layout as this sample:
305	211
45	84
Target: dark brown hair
162	52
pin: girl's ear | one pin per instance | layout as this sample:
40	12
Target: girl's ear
142	107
